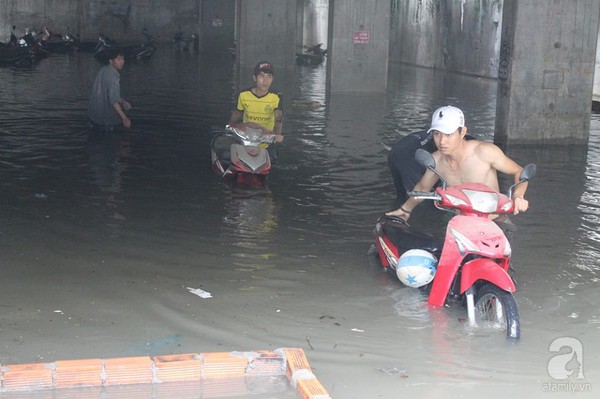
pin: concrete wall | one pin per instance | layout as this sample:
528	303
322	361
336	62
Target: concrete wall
357	59
122	20
268	30
455	35
218	26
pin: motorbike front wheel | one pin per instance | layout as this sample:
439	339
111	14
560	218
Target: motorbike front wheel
497	307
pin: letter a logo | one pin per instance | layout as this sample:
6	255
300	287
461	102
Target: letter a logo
568	360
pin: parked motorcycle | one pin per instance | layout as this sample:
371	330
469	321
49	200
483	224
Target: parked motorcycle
85	45
131	52
239	154
22	52
183	42
56	42
471	264
312	55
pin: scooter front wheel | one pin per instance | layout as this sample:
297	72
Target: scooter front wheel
497	307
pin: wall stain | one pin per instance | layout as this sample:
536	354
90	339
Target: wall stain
505	50
119	13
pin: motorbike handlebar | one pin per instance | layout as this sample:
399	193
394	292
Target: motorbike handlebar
267	137
425	195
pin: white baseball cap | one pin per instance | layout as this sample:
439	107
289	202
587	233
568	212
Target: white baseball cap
447	119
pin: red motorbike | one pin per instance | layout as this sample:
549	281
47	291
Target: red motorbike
239	154
471	264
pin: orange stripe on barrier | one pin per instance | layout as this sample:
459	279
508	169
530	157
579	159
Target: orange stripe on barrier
296	360
27	376
218	374
77	373
223	364
301	376
128	370
312	389
186	367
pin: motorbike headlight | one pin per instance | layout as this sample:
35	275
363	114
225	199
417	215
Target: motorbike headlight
482	201
455	200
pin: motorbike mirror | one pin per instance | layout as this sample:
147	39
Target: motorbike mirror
424	158
528	172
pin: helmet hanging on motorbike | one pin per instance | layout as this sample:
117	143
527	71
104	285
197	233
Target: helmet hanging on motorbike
416	268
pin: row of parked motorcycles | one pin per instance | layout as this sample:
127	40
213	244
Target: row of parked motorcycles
132	52
30	47
140	51
34	45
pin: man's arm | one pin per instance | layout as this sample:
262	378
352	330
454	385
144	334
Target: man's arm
502	163
126	122
278	125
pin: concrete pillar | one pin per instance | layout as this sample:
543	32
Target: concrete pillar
546	71
596	91
316	14
267	31
357	59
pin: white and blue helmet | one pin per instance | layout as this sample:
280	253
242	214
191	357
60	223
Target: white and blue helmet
416	268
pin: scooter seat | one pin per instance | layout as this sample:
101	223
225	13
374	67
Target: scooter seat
221	145
405	237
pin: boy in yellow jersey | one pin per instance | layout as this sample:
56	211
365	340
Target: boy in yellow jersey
259	105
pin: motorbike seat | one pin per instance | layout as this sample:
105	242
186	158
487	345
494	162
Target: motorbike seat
405	238
222	146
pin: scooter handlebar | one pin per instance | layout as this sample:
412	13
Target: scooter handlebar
267	136
425	195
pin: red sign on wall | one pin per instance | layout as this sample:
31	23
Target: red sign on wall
361	37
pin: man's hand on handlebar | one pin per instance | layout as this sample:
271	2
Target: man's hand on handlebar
520	205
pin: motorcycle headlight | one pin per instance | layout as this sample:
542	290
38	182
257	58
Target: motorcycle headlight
482	201
455	200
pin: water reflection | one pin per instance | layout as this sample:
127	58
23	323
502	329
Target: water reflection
106	152
250	224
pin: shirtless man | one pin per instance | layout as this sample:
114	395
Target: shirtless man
464	161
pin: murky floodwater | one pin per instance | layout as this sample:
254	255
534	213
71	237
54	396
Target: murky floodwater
101	238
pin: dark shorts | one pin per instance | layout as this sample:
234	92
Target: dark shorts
95	127
272	150
507	226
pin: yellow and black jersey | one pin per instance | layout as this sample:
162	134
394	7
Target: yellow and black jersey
260	110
